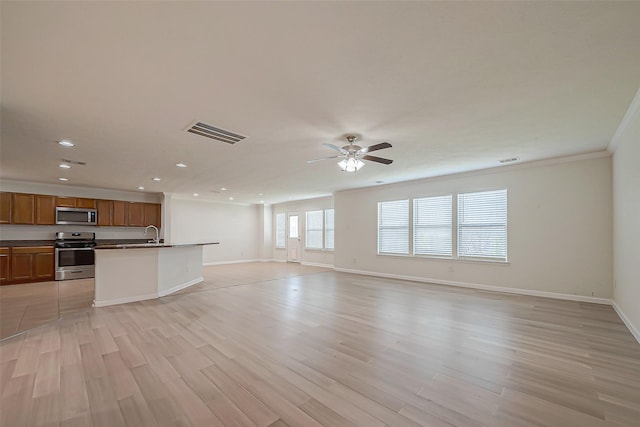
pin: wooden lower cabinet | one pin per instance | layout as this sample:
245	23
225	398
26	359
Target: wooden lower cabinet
27	264
4	265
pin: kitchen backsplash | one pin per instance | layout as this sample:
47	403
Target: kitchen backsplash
47	232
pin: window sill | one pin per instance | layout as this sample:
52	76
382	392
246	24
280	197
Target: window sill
451	259
318	250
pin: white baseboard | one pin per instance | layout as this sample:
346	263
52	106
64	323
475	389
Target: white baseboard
180	287
634	331
317	264
570	297
115	301
239	261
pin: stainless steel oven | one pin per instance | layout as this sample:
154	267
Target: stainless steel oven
74	256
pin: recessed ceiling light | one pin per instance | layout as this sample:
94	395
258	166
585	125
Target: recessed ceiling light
261	201
230	198
181	165
260	194
63	179
141	188
223	189
155	179
66	143
196	194
64	166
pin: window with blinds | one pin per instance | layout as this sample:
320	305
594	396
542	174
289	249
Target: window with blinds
482	224
432	223
313	227
280	231
328	229
393	227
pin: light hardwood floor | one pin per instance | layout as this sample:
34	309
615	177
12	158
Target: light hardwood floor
287	345
29	305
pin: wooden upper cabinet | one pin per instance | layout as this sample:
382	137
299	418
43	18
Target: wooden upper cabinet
22	208
152	214
66	202
136	214
85	203
105	212
45	209
119	213
5	207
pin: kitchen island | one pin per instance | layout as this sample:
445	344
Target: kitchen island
142	271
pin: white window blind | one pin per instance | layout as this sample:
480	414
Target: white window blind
432	233
328	229
393	227
313	235
482	224
280	230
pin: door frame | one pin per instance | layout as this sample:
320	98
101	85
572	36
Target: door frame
298	243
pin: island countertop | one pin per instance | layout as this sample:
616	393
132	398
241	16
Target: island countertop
150	245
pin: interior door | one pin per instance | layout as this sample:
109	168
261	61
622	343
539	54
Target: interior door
293	237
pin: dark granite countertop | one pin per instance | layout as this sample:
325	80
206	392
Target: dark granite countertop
25	243
145	245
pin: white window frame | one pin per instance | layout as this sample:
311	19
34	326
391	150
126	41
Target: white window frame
319	213
427	222
281	231
382	228
328	229
497	220
456	228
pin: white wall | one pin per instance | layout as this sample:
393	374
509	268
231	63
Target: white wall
626	217
559	228
47	232
236	227
312	256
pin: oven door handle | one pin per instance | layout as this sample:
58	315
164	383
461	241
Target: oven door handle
73	249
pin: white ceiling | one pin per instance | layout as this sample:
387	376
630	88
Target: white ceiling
453	86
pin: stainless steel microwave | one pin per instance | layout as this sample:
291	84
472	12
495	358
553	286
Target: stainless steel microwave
76	216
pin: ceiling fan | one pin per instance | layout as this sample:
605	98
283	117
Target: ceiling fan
353	155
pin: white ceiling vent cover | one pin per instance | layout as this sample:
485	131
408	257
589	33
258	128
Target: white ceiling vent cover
213	132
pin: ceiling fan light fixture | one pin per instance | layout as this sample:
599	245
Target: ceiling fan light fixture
350	164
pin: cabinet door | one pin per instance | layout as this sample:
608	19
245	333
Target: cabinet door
22	208
5	207
67	202
120	213
4	265
21	265
45	210
85	203
136	214
152	214
43	265
105	212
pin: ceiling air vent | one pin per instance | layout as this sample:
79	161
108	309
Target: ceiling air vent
509	160
213	132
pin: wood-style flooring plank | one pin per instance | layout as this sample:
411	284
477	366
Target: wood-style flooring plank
274	344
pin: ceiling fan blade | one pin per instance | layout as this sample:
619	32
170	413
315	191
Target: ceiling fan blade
335	147
377	159
322	158
375	147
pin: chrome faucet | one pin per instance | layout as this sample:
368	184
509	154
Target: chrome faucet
157	239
